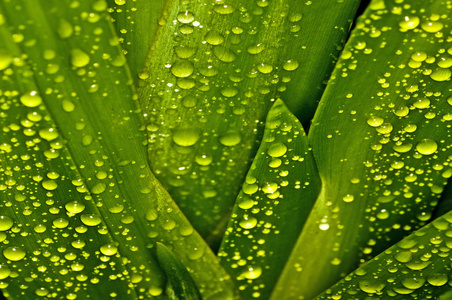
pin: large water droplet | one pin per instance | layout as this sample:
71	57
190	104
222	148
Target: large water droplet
5	223
427	147
14	253
186	137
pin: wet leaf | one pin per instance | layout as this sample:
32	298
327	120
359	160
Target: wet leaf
418	267
272	207
382	142
136	23
180	285
78	198
210	81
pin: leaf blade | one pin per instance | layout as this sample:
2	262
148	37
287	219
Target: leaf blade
402	117
272	207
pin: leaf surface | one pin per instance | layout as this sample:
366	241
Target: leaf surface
382	142
211	78
136	23
417	267
272	207
78	197
180	285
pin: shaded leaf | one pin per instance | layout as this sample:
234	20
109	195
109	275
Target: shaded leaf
418	267
180	285
272	207
382	142
212	76
136	23
78	197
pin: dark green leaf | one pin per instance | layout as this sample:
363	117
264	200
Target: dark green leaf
276	198
418	267
382	142
180	285
211	79
136	23
71	131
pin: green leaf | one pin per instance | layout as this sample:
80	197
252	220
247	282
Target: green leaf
180	285
445	203
418	267
213	74
78	197
136	23
381	139
272	207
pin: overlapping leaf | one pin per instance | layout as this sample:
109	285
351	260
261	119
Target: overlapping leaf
382	141
212	74
136	24
418	267
276	198
78	198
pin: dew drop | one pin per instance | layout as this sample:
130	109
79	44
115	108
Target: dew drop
427	147
185	17
49	185
252	272
109	249
265	68
74	207
182	68
223	9
432	26
291	65
14	253
5	223
375	121
248	222
79	58
230	138
31	99
185	137
277	150
203	160
409	23
90	219
229	92
441	74
348	198
5	271
5	59
214	38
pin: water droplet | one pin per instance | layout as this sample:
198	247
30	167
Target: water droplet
91	219
186	137
64	29
185	17
248	222
48	134
109	249
49	185
79	58
277	150
422	103
5	223
5	271
348	198
75	207
413	283
229	92
441	74
99	188
14	253
203	160
265	68
184	51
31	99
252	272
214	38
375	121
223	9
435	280
432	26
371	287
5	59
224	54
182	68
409	23
291	65
230	138
427	147
60	223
